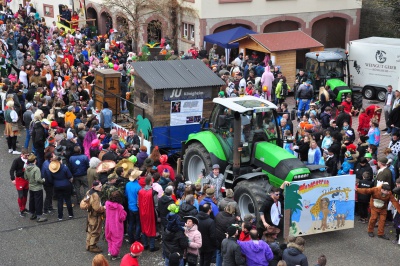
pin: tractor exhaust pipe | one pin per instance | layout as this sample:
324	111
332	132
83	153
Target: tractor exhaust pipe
237	129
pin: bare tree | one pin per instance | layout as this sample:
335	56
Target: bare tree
136	12
174	10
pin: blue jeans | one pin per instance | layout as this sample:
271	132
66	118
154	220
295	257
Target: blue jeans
218	260
148	241
133	226
180	262
303	104
27	138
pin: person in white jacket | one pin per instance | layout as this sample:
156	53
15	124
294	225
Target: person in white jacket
195	241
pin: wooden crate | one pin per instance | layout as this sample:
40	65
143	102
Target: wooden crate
107	85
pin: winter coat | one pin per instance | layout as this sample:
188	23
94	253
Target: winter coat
362	150
195	241
331	165
174	242
131	192
214	207
222	221
78	164
70	117
276	251
363	124
17	168
163	204
364	183
341	118
38	135
258	253
294	256
384	175
92	175
346	166
114	227
395	147
231	252
216	182
33	175
303	151
359	171
325	119
187	209
225	201
141	156
207	229
61	177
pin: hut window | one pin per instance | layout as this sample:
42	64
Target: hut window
144	98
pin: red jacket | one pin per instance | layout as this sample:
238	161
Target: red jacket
347	106
363	124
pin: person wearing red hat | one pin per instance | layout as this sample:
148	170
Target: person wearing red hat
164	165
111	154
131	259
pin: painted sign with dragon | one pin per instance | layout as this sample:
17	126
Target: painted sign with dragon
320	205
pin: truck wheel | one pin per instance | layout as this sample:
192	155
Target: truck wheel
381	95
357	100
369	92
250	195
196	159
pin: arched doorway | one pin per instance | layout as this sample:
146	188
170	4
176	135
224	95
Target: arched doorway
331	32
280	26
230	26
91	13
105	23
154	31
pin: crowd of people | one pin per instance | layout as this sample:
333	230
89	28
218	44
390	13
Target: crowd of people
78	158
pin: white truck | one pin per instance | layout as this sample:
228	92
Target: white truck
374	64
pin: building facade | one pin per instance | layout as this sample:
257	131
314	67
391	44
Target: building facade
332	22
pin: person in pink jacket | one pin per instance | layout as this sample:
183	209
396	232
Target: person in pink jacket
114	228
266	82
194	237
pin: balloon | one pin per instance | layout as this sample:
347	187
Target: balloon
111	65
115	67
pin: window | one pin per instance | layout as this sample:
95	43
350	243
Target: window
188	31
48	11
144	98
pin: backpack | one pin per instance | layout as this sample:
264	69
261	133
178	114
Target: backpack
284	90
85	203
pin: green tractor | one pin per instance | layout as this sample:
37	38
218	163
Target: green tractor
243	137
329	68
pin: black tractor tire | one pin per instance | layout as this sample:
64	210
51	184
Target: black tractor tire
357	101
369	93
250	196
196	159
381	95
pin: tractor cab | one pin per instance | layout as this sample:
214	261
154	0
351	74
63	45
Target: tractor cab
324	65
252	119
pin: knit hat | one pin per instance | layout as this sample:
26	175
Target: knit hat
113	147
351	147
383	160
349	133
210	192
105	105
136	248
231	231
95	183
54	124
163	158
70	108
173	208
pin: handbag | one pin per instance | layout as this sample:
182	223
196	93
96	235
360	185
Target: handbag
191	258
14	127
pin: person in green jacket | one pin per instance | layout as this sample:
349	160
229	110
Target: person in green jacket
34	177
281	91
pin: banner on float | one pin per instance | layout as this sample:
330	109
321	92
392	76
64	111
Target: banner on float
186	112
320	205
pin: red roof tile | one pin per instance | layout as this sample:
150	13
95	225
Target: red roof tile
284	41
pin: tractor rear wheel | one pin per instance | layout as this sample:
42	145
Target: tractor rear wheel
250	196
195	160
357	100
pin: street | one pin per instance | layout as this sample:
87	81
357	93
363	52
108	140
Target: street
25	242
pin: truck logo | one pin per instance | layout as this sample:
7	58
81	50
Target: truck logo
380	56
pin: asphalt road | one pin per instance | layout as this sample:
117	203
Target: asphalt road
25	242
